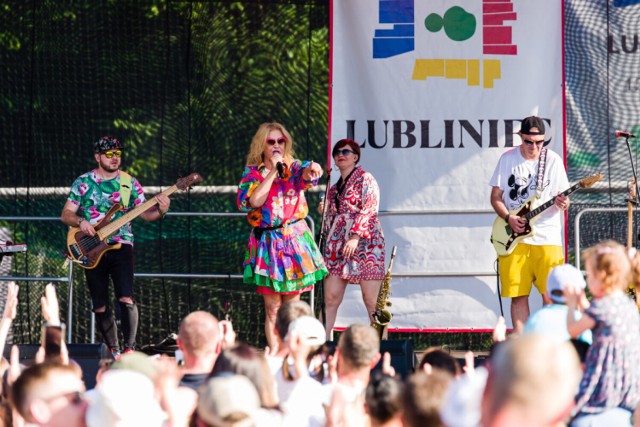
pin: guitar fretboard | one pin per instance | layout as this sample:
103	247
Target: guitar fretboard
111	228
537	211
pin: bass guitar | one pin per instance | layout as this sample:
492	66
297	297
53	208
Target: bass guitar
88	250
503	237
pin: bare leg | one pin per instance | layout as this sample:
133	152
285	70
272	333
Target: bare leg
370	290
519	312
334	288
272	303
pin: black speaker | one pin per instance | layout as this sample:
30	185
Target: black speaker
402	357
86	355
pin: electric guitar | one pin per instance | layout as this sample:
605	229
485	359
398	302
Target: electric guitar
503	237
88	250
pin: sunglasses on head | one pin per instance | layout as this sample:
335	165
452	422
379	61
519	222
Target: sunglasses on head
110	154
281	141
528	142
344	152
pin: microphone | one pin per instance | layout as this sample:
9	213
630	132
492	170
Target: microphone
281	167
620	133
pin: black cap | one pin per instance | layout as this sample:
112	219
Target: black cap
532	125
107	143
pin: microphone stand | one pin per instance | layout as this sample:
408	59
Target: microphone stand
635	179
321	242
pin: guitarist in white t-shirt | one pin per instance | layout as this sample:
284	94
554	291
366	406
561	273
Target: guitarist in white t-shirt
522	173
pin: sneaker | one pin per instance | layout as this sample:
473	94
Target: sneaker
115	353
128	350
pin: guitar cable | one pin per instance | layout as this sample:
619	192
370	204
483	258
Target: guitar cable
497	270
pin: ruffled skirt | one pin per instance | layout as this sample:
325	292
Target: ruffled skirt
285	260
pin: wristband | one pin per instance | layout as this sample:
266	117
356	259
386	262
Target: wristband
506	218
80	221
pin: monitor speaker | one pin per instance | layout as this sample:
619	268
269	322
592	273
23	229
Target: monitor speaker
402	357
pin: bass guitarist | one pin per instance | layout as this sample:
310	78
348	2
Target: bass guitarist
92	195
523	172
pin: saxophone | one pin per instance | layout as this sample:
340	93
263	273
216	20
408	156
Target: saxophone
382	316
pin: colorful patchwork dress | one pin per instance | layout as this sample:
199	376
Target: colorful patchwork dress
353	209
282	256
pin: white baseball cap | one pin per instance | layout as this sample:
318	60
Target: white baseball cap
559	278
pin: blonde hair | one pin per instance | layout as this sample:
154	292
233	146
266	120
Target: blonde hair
258	143
611	258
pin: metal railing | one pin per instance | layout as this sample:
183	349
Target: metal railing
69	278
577	226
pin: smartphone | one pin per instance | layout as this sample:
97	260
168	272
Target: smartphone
52	337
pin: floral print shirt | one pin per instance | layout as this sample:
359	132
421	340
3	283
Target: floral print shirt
95	196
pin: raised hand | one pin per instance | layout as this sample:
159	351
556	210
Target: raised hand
50	307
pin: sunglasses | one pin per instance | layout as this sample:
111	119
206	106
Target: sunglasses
342	153
110	154
526	141
282	140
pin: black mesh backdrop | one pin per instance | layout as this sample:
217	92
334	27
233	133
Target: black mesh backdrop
184	85
603	94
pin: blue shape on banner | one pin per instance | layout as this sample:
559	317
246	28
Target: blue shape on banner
387	47
623	3
400	38
398	30
396	11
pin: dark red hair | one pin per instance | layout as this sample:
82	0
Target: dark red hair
355	147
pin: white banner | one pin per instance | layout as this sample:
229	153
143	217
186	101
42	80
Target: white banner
434	91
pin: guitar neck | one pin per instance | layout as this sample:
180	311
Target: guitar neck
537	211
111	228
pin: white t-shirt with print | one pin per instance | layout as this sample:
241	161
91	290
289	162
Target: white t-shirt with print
517	177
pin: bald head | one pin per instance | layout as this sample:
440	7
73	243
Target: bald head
199	334
535	376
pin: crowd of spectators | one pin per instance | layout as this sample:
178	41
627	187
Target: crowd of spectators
531	378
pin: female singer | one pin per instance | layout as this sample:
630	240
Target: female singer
354	249
282	259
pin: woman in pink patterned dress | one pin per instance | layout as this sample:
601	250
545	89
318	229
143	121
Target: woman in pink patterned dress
354	248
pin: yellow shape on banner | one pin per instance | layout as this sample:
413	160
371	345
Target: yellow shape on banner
424	68
456	68
491	70
473	72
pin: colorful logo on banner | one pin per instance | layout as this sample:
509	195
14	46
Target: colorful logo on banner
459	26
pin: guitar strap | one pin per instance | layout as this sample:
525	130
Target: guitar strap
541	166
125	188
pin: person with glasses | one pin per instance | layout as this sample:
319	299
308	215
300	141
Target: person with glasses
50	394
91	197
282	260
355	249
524	172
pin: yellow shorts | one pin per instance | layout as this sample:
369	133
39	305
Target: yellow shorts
528	264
